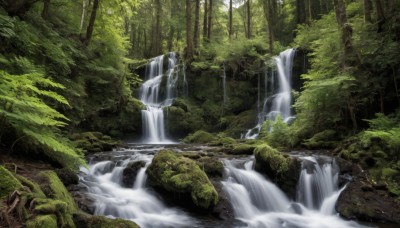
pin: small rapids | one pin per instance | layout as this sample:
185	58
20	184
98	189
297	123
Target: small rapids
260	203
139	203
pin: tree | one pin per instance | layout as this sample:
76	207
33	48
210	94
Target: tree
367	11
89	31
189	37
46	7
248	19
196	35
209	20
301	17
230	19
205	20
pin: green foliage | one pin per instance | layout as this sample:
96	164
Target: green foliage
8	183
182	175
276	133
42	221
199	137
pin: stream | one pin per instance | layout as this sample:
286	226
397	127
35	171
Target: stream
256	201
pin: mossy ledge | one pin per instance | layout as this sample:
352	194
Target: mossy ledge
281	168
181	175
8	183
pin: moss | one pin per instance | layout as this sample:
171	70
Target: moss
324	139
49	206
199	137
83	220
213	167
34	187
93	142
8	183
55	189
45	221
222	141
243	149
182	175
271	160
388	173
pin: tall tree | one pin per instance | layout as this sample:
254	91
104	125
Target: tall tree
209	20
248	7
301	17
83	15
269	13
367	11
205	19
230	19
46	7
196	35
189	38
89	31
157	32
380	17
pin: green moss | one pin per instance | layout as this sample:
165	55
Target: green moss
388	173
8	183
212	166
55	189
324	139
93	142
49	206
199	137
91	221
182	175
271	160
34	187
243	149
45	221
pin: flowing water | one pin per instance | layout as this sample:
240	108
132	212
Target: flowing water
225	95
256	201
155	98
277	96
260	203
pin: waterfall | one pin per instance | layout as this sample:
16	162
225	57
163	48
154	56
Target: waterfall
155	98
260	203
103	181
277	101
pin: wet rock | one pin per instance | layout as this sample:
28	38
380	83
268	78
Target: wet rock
223	209
67	176
83	220
364	201
130	172
211	166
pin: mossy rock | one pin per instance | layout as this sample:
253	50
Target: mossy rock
271	160
212	166
182	175
243	149
8	183
83	220
324	139
222	141
199	137
94	142
55	189
45	221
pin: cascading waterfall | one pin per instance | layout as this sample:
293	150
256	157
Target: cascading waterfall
139	204
277	101
152	95
260	203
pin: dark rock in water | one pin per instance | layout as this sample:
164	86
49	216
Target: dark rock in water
364	201
223	209
296	208
130	172
211	166
84	202
67	176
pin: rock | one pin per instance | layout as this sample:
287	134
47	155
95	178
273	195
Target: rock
199	137
243	149
8	183
364	201
83	220
67	176
130	172
211	166
180	175
223	209
280	168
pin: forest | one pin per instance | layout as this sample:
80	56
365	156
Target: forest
199	113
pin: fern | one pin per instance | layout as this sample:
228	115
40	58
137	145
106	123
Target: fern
22	106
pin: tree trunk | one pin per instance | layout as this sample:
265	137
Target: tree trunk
18	7
83	15
205	19
170	38
346	30
230	19
158	28
300	11
248	20
89	31
380	17
209	20
367	11
189	37
196	35
46	7
269	16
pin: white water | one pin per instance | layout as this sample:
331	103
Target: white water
138	204
260	203
151	95
277	101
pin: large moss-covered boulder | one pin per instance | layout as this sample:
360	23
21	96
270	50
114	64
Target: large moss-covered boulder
281	168
48	221
92	142
8	183
182	175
